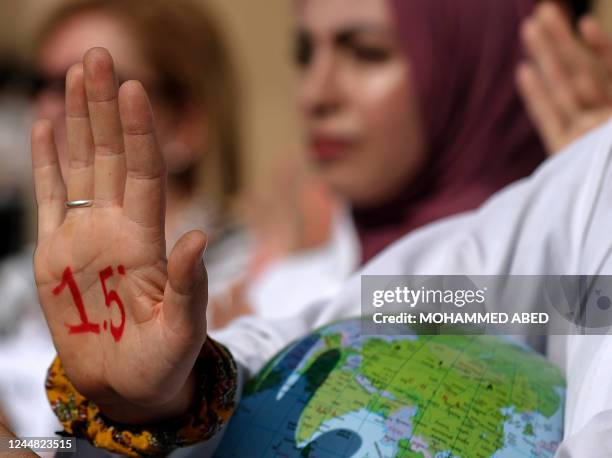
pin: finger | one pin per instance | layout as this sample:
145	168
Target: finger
101	88
48	183
597	40
600	43
548	64
144	200
80	180
585	71
186	294
541	108
562	39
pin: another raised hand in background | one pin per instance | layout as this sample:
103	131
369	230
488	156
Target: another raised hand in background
566	81
293	214
127	324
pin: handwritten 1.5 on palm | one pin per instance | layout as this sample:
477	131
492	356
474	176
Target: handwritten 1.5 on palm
111	296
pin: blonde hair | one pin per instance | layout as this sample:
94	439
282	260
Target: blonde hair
184	46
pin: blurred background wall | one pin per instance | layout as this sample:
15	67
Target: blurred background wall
603	9
259	34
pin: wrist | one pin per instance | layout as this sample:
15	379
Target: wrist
122	411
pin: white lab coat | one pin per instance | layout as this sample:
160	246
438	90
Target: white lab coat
557	221
291	284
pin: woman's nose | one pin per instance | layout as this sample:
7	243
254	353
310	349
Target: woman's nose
319	86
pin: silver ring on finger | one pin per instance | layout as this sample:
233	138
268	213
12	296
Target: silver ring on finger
78	203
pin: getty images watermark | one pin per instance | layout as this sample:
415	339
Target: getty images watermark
479	304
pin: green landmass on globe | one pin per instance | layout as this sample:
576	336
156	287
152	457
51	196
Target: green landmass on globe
340	393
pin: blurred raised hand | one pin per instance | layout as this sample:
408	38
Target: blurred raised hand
566	79
127	323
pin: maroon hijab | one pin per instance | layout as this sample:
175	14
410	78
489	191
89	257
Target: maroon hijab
463	55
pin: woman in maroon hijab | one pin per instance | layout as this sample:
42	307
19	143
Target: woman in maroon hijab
411	113
411	109
476	134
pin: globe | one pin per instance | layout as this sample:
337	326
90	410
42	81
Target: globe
338	393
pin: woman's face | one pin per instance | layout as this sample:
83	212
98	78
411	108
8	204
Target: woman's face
67	44
357	99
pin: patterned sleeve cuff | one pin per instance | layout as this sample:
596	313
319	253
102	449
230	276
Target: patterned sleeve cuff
214	403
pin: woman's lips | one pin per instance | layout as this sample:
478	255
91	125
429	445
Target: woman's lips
329	148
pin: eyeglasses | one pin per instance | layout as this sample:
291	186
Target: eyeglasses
47	84
19	77
16	76
40	83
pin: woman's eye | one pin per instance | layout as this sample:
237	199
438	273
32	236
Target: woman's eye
370	53
303	51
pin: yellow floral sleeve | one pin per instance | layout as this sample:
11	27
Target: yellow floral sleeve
214	403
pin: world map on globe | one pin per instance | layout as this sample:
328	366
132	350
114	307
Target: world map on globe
338	393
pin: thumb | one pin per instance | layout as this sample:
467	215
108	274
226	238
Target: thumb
186	293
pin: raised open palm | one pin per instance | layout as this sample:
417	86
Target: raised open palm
566	82
127	324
